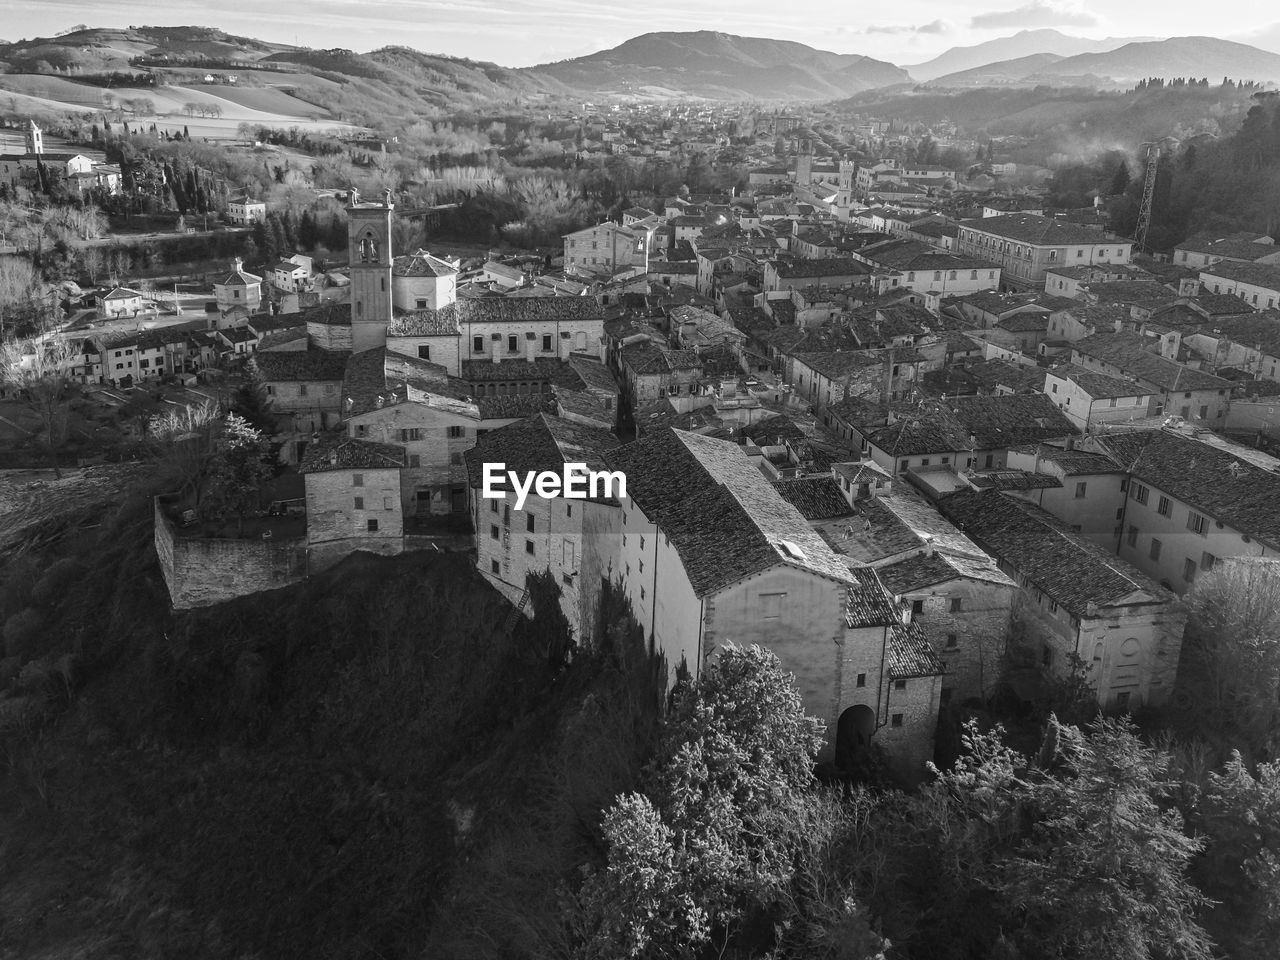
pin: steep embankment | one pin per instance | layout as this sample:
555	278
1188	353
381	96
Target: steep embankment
366	764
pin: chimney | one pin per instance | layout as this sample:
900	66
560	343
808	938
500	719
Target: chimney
239	264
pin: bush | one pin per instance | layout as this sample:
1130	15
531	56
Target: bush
57	581
22	632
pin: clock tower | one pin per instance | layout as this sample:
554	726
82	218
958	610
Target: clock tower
369	250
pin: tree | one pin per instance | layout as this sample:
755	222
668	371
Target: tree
38	373
1241	816
1074	854
234	476
728	806
1120	182
1233	650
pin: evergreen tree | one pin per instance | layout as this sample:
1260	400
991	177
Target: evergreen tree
1120	182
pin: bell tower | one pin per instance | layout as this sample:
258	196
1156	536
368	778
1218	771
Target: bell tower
34	138
369	252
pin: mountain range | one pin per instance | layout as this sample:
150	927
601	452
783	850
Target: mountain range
706	64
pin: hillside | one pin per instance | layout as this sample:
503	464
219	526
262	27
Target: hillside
366	764
996	74
723	66
1022	44
1177	57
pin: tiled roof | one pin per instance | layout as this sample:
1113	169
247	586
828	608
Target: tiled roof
1129	353
910	653
1069	568
350	453
867	603
1261	330
548	369
503	310
828	267
651	358
542	442
978	423
1025	322
1208	478
275	338
1013	480
817	498
422	264
1075	462
1039	231
723	517
276	366
423	323
1259	274
1098	385
331	313
595	374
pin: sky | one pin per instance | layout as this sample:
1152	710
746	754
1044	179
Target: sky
524	32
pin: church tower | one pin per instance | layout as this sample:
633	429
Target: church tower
34	138
369	250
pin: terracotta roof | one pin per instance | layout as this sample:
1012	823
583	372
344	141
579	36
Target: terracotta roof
500	310
910	653
817	498
867	603
1069	568
1098	385
725	520
276	366
422	264
349	453
1130	353
993	423
541	442
1259	274
827	267
1208	478
1039	231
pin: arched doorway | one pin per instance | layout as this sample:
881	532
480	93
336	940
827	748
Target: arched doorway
853	735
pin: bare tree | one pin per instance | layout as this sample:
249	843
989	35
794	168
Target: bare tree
39	375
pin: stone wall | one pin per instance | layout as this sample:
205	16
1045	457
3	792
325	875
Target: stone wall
200	571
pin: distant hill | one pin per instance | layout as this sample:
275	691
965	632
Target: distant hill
719	65
1025	43
1177	57
997	74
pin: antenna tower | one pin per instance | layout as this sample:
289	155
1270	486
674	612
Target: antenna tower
1148	194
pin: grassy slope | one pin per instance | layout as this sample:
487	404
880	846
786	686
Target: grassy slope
361	765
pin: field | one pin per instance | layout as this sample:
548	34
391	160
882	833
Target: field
265	106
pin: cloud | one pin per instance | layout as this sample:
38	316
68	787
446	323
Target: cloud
936	26
1038	13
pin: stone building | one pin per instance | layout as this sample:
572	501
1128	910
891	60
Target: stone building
353	499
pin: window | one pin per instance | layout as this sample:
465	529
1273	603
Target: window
1080	489
642	593
372	525
924	462
357	479
899	684
1154	552
359	503
917	606
455	433
1207	561
512	344
528	522
493	531
905	464
493	506
1164	507
302	389
506	514
424	352
952	641
546	343
642	564
493	566
896	721
1141	492
477	344
528	547
955	604
1188	570
771	605
1046	657
1198	524
1122	701
410	434
1133	535
1204	412
862	680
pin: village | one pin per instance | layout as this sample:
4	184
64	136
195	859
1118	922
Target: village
880	429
